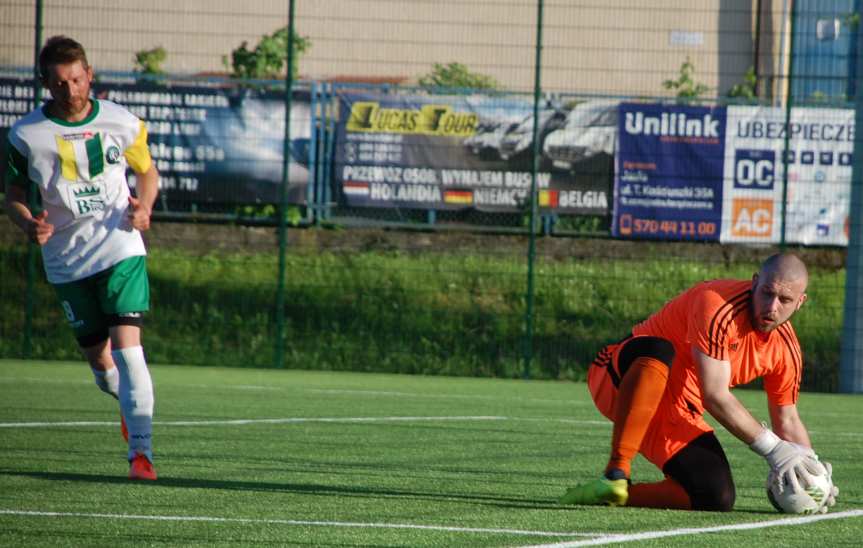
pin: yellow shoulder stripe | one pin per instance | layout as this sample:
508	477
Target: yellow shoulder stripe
138	155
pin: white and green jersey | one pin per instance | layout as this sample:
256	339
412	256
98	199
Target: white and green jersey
80	170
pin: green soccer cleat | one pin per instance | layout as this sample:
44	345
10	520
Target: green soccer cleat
598	492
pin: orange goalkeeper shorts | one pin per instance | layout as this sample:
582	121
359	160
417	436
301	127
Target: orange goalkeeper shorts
673	426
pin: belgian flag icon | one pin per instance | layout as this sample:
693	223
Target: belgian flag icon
548	198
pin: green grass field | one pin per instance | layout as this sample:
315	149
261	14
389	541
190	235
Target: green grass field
252	457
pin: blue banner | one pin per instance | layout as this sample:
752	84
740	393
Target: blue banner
669	173
210	144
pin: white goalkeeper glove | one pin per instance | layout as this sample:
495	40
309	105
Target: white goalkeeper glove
827	471
834	491
787	461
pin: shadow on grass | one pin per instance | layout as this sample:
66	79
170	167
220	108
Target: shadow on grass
329	490
295	488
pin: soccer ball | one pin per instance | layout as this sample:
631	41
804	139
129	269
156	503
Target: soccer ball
808	500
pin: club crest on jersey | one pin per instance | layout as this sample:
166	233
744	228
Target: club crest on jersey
112	155
84	200
85	191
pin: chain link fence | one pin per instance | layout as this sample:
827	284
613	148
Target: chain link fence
490	187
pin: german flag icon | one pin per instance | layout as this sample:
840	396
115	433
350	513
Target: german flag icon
462	197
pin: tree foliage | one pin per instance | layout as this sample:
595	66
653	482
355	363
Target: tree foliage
268	59
456	75
746	89
150	61
685	87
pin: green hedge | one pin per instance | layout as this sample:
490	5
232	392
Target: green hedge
390	311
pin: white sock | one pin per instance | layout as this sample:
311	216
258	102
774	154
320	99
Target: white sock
136	399
108	381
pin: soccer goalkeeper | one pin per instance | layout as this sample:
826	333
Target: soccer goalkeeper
76	149
656	384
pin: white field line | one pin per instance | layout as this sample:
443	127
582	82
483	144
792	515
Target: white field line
90	382
296	522
11	380
397	394
232	422
649	535
392	393
230	387
838	434
302	420
333	391
586	422
354	392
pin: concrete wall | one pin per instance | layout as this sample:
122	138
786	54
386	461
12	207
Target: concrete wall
616	47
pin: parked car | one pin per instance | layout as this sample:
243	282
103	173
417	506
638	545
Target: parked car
486	142
591	128
517	145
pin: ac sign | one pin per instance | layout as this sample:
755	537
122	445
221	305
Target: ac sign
751	218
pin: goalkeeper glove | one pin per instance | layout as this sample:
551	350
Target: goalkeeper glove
827	470
834	491
787	460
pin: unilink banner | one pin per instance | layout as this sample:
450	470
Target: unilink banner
668	181
458	152
210	144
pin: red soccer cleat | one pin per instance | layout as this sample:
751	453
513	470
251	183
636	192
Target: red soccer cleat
142	469
123	430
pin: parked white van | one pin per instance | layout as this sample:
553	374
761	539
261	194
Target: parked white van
591	128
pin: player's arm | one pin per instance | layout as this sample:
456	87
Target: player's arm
787	424
787	461
715	378
147	187
147	181
35	227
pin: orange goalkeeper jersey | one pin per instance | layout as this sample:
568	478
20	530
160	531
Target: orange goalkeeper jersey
714	316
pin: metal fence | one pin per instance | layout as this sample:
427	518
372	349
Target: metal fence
422	224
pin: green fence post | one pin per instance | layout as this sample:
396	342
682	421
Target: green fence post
851	346
283	198
531	246
33	202
787	141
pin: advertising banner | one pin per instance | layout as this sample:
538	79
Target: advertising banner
818	158
16	100
458	152
668	178
210	145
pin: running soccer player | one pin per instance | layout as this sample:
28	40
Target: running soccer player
76	150
656	384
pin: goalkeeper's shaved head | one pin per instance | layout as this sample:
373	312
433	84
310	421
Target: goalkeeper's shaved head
778	291
786	267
